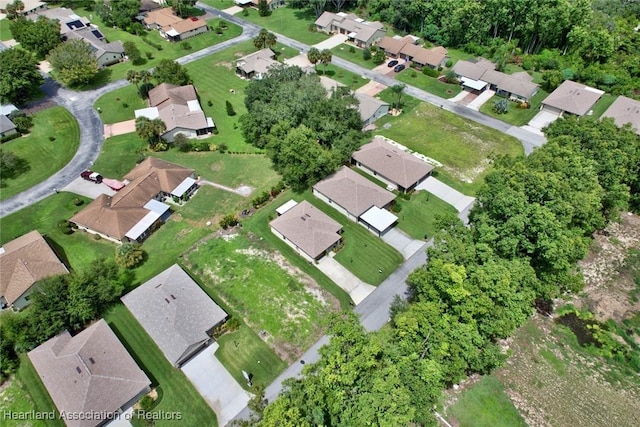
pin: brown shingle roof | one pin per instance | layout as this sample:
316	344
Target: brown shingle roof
308	228
394	45
353	192
162	17
625	110
25	261
574	98
173	106
88	373
185	25
433	56
483	69
258	62
392	163
114	216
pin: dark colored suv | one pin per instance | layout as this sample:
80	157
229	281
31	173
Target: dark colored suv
392	63
398	68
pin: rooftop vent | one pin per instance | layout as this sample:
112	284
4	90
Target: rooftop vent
93	362
78	369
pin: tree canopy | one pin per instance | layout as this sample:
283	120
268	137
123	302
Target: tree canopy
39	36
19	75
119	13
168	71
74	62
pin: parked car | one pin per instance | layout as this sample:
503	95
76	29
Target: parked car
392	63
91	176
398	68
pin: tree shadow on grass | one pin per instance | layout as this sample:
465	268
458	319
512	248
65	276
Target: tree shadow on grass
18	167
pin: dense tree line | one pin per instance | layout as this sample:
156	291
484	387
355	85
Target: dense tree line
19	76
60	303
533	221
307	134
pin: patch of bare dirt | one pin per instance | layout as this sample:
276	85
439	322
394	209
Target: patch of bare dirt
227	65
608	282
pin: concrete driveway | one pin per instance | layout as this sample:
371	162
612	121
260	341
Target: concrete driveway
88	188
542	119
356	288
372	88
481	99
331	42
216	385
120	128
446	193
402	242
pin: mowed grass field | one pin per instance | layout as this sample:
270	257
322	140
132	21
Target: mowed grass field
418	215
178	394
465	148
290	22
265	290
430	84
43	156
119	105
516	116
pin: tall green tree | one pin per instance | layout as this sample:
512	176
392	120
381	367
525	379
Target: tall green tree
265	39
313	56
19	76
119	13
168	71
74	62
263	8
325	57
14	9
39	36
150	130
397	90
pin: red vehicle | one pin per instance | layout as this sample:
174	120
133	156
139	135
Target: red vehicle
91	176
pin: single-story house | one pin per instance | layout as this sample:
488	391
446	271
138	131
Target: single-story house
305	228
23	263
73	26
625	110
184	29
159	18
90	377
179	109
362	33
7	128
571	97
433	58
7	109
481	75
256	65
30	7
330	85
273	4
135	211
393	166
370	108
393	45
357	198
176	313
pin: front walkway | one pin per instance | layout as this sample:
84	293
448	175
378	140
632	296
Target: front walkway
402	242
356	288
446	193
331	42
216	385
481	99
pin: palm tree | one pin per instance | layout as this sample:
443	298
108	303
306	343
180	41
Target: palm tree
313	56
397	90
264	39
145	76
134	77
325	58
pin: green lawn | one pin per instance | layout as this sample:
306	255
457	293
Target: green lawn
243	350
169	50
347	78
418	215
287	21
362	252
344	51
429	84
44	157
456	55
265	291
601	106
178	394
77	249
516	116
485	404
40	399
513	68
462	146
119	105
5	32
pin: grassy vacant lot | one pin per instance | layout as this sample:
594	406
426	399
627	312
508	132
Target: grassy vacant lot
265	290
418	215
170	50
77	249
344	51
347	78
178	394
555	381
456	55
119	105
44	157
290	22
485	404
516	116
5	33
362	253
462	146
429	84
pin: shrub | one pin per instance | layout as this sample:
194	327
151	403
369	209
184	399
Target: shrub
366	54
209	103
379	57
201	146
227	221
186	46
260	199
450	77
414	74
230	110
245	12
77	202
22	123
352	49
129	255
125	105
146	403
312	27
222	147
160	146
182	143
97	237
52	138
149	55
430	72
501	106
396	207
219	30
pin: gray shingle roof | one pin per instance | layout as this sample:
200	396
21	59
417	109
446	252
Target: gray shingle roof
5	124
90	372
574	98
625	110
175	312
